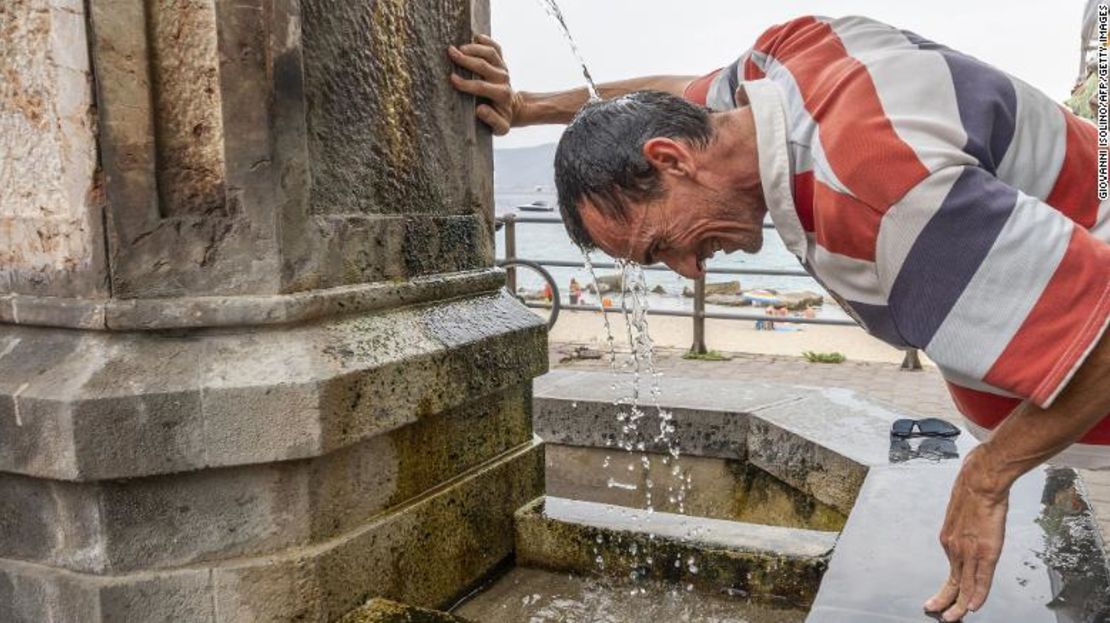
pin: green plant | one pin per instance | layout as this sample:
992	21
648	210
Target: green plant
813	357
707	356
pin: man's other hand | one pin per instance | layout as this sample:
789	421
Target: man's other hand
491	82
974	528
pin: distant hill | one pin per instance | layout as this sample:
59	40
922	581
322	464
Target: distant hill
524	168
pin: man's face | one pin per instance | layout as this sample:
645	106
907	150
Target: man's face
682	229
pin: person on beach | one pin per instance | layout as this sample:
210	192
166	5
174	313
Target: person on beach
946	205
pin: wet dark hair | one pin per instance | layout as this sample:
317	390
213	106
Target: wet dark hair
600	155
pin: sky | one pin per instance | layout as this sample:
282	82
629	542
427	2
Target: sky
1035	40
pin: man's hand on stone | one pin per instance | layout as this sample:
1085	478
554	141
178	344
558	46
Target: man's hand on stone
972	537
490	82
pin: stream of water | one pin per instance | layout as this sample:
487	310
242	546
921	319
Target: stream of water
637	435
552	9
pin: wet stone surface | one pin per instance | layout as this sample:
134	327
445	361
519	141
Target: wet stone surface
888	562
723	489
535	595
780	565
386	611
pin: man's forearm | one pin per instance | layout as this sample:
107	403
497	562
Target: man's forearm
1031	435
561	106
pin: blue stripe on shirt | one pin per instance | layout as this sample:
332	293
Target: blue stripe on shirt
986	101
947	253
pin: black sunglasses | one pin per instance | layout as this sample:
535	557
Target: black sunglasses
928	427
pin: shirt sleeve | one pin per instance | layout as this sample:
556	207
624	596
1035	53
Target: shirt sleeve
997	287
716	90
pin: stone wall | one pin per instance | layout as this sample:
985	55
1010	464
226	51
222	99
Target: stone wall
266	369
50	196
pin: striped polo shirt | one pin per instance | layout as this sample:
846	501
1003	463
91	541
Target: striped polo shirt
947	205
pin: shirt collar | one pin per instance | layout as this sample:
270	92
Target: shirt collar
775	170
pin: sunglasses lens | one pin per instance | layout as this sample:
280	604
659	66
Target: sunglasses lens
937	428
901	428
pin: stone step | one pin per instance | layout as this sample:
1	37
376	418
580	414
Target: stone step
711	555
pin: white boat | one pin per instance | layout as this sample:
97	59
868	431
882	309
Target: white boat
538	205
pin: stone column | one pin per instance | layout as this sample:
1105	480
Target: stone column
255	361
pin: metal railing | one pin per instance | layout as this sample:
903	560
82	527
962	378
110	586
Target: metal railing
699	314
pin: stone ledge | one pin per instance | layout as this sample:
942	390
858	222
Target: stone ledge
424	553
198	312
221	398
723	488
712	554
718	434
117	526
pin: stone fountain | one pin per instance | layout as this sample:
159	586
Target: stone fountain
255	363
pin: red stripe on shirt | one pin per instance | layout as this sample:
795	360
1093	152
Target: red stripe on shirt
985	409
988	410
803	199
752	71
845	225
1075	192
1069	315
698	90
837	90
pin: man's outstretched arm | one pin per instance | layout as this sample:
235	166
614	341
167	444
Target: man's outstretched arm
506	108
975	523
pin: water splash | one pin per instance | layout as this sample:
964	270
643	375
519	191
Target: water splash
635	432
634	435
551	7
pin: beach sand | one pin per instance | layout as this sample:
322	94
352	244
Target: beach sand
736	336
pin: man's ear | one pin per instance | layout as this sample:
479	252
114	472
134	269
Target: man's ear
669	156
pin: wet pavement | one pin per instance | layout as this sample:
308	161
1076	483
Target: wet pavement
888	562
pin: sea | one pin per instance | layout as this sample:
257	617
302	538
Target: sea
549	241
